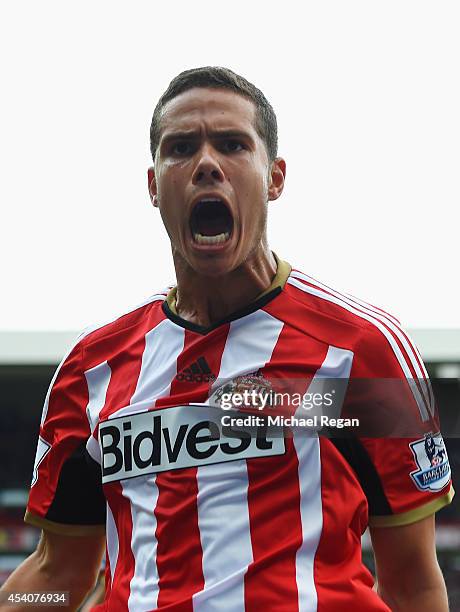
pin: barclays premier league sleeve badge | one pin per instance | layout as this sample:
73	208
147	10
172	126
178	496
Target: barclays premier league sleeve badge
430	455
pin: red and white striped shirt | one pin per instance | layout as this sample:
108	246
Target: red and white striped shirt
201	523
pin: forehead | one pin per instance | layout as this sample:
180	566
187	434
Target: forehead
213	108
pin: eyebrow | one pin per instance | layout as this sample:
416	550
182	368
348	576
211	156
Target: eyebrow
215	134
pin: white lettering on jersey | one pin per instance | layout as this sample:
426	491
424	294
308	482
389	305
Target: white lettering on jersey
178	437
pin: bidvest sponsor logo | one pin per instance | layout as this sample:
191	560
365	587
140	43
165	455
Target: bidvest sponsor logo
433	464
178	437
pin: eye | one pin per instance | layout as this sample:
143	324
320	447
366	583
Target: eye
232	146
182	148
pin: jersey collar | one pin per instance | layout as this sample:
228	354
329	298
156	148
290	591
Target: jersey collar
282	273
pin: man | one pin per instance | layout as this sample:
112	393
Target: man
203	516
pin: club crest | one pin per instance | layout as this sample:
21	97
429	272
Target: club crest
251	386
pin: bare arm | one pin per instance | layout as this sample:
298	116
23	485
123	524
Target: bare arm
409	577
96	597
60	563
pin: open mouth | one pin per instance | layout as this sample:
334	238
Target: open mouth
211	222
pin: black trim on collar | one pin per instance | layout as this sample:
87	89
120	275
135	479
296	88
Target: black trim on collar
238	314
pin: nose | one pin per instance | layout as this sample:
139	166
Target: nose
207	169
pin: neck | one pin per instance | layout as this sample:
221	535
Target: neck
203	300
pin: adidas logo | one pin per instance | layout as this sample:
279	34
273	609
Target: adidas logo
198	371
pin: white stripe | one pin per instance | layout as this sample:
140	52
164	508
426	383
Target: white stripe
160	355
223	520
356	300
43	448
163	345
86	332
142	493
249	346
222	502
372	319
393	324
98	380
320	285
159	362
112	541
336	365
426	375
390	320
331	377
311	516
93	448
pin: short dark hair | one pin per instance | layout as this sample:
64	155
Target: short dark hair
224	78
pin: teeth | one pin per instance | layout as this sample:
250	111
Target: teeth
211	239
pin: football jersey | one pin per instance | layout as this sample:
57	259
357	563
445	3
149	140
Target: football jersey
204	516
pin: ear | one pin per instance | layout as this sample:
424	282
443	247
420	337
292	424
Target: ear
276	178
152	185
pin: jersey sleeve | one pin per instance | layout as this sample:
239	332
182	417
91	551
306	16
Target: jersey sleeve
401	459
66	493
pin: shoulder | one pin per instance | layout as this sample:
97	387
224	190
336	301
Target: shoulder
381	346
94	347
336	313
100	341
141	315
335	302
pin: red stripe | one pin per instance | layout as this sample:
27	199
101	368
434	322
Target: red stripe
124	571
425	380
125	367
315	283
101	337
317	318
418	381
107	574
344	520
273	492
65	427
372	307
361	306
126	363
424	392
276	534
179	551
